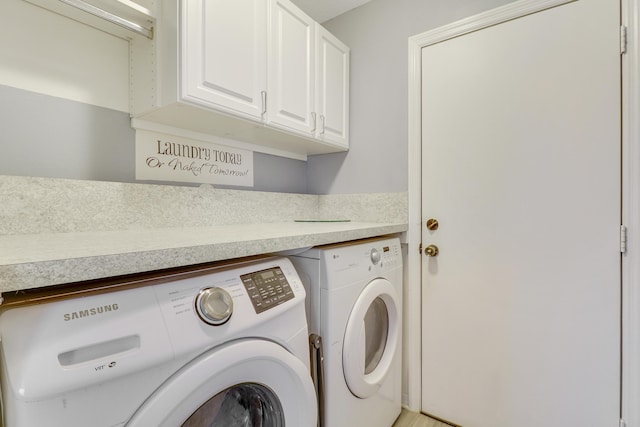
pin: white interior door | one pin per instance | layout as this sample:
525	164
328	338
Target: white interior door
521	167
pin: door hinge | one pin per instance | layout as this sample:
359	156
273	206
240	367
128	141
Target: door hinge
623	239
623	40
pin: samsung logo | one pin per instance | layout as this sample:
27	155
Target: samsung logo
90	312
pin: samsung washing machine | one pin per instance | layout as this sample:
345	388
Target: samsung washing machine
354	294
208	346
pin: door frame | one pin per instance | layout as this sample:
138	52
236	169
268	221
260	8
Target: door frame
630	209
631	215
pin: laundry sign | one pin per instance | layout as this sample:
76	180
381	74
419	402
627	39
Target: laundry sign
162	157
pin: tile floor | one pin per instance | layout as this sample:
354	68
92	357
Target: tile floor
414	419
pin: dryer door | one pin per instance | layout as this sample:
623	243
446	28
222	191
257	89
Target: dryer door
243	383
371	338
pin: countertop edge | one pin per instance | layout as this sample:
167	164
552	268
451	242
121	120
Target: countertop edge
40	271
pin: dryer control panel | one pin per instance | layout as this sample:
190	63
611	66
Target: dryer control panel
352	261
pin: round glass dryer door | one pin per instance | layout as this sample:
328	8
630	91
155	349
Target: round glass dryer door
371	338
247	382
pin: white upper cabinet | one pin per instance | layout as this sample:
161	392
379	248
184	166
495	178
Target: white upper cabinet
308	76
260	72
291	68
332	88
224	54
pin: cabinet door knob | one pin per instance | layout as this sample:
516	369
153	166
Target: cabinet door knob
313	117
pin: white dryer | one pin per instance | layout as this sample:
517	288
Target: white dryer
354	294
208	346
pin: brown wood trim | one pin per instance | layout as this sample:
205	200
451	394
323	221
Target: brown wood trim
449	423
84	288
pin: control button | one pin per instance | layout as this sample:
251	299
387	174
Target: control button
375	256
214	306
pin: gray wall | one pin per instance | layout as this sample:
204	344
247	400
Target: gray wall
377	34
45	136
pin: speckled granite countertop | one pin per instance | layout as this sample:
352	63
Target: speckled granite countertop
37	260
60	231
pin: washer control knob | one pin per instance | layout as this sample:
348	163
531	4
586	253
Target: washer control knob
214	306
375	256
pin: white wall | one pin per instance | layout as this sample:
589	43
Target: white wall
47	53
377	34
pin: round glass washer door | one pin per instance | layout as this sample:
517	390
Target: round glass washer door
241	405
242	383
371	338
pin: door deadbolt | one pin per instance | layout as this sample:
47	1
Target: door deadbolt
432	224
432	251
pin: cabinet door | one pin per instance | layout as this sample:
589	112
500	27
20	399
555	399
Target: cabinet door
291	68
224	54
332	88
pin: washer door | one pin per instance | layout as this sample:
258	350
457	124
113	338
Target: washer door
371	338
243	383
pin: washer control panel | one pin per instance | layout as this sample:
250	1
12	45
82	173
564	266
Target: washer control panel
267	288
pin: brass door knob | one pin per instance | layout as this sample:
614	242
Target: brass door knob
431	250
